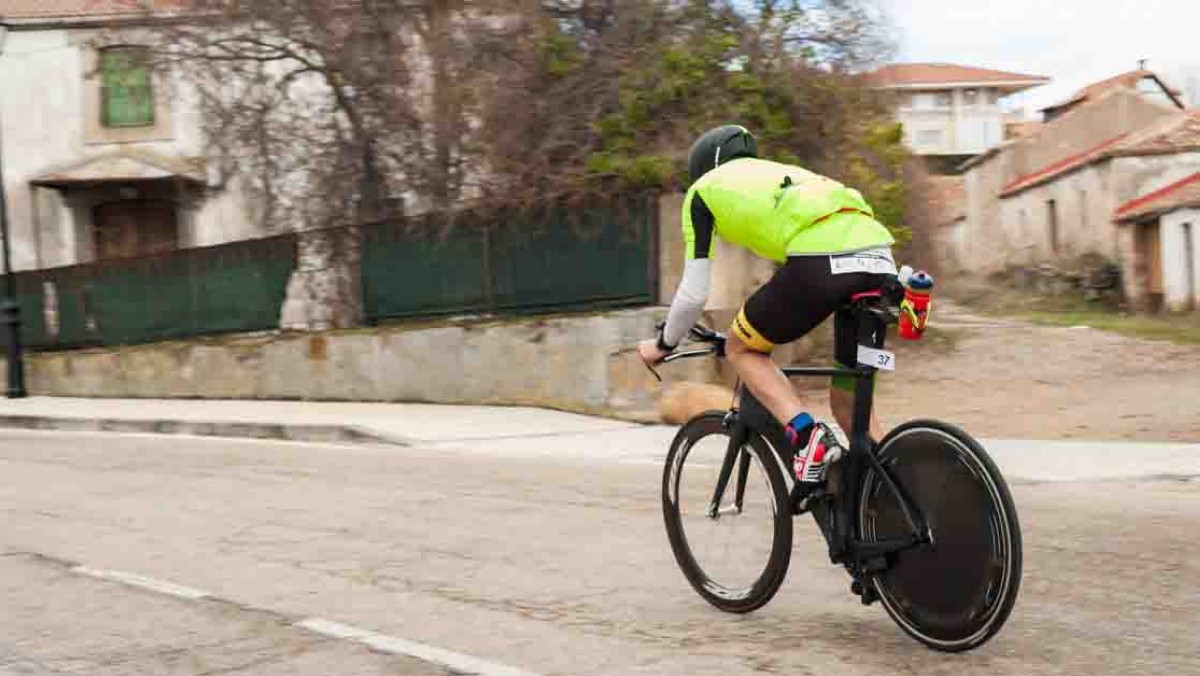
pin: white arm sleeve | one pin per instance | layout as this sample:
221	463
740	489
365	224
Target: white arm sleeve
689	300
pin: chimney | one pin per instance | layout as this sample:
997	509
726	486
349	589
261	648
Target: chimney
1141	64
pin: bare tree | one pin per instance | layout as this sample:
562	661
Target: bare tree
344	111
330	114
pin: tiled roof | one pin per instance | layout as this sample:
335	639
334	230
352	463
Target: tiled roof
1178	195
934	74
1127	80
1060	167
1174	134
75	9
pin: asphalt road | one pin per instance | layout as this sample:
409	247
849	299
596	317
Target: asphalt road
125	554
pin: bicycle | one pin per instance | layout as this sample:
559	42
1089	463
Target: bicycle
922	521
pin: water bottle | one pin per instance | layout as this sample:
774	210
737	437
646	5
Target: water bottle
914	309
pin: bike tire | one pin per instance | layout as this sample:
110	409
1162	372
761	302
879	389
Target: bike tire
955	594
745	598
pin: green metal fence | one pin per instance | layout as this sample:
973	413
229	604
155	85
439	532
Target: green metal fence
554	258
228	288
557	258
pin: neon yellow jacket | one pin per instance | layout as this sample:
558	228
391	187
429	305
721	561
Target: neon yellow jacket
777	210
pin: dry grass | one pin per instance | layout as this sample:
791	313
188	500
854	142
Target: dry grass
999	298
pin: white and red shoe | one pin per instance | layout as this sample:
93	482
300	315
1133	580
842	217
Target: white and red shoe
813	458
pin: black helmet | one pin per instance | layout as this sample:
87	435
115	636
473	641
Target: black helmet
719	145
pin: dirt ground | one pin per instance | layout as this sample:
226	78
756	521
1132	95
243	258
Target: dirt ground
1006	378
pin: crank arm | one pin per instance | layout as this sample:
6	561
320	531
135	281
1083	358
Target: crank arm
865	551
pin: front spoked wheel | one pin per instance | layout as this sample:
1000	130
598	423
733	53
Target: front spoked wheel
956	593
735	553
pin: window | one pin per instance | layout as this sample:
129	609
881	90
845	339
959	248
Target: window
126	94
929	138
995	131
970	97
944	99
923	101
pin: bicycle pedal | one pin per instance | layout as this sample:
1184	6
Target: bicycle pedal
869	596
866	594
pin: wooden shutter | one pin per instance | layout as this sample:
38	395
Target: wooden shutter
126	91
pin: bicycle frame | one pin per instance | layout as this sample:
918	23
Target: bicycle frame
844	546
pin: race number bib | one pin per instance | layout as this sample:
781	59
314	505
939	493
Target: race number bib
877	262
880	359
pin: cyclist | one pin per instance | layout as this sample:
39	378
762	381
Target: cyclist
829	247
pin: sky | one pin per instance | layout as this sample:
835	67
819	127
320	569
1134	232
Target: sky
1074	42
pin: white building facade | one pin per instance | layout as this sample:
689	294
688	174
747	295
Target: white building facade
101	158
948	109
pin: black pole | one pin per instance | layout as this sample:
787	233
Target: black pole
10	311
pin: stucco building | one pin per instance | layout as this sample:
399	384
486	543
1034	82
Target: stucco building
950	110
102	157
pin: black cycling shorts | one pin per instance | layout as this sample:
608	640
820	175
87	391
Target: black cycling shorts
801	295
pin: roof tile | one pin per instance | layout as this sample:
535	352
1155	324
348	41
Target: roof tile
1063	166
1174	134
1128	80
902	74
1177	133
1180	194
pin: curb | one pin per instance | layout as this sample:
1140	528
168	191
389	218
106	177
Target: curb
339	434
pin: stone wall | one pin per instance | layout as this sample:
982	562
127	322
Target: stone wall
1083	205
582	363
987	244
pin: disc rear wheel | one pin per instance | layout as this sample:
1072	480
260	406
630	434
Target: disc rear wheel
957	592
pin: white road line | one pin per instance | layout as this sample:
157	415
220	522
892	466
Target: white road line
142	582
456	662
13	663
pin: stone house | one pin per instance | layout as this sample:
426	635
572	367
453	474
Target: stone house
1081	183
1170	218
101	158
950	110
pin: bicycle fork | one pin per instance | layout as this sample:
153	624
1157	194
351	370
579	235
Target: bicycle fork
734	455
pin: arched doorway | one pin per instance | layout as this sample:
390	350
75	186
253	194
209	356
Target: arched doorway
134	228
